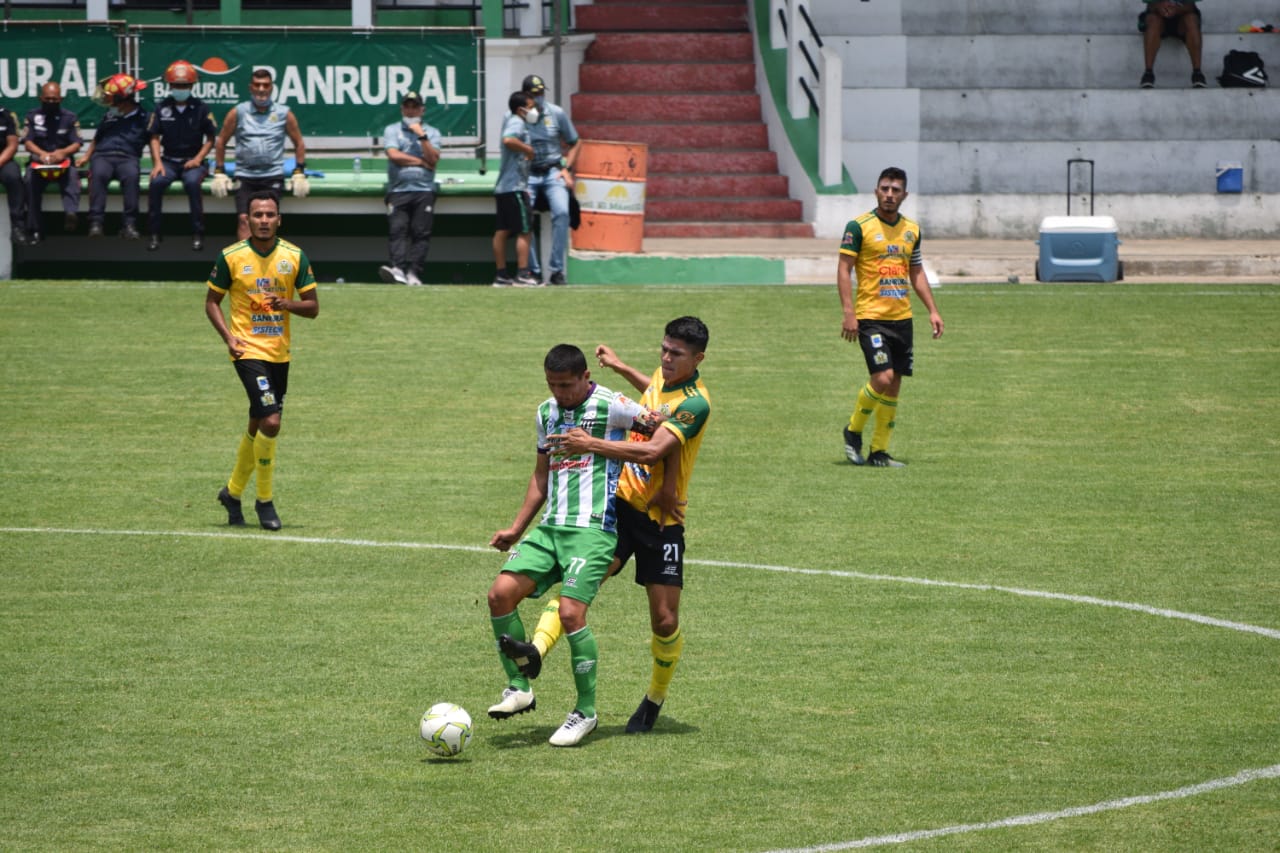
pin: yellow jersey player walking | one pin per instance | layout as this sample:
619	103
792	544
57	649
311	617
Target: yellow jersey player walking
882	248
650	505
269	280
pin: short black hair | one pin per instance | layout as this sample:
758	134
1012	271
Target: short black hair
893	173
260	73
691	330
518	100
263	195
565	358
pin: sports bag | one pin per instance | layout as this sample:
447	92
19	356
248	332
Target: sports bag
1243	69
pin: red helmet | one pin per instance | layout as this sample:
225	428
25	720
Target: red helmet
182	73
118	88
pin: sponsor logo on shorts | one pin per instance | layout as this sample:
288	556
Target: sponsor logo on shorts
264	384
877	340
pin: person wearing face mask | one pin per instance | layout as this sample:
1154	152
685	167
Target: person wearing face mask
116	152
51	135
555	145
413	149
259	126
182	132
11	177
511	192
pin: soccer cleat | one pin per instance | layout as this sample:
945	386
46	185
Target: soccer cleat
1148	79
514	701
95	229
557	278
882	459
267	516
391	274
235	515
644	717
575	727
526	656
1197	80
527	279
853	446
502	280
153	242
412	279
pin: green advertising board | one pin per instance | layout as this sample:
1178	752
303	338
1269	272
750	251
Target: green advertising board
72	54
338	82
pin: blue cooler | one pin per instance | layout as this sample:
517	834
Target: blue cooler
1078	248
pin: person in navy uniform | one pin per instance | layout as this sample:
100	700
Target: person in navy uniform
116	152
182	132
51	136
11	176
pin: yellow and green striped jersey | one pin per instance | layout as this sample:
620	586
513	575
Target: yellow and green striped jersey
250	277
884	254
687	407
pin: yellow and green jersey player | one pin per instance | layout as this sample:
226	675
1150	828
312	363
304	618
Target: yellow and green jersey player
651	499
269	280
882	250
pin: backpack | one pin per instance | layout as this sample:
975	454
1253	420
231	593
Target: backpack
1244	69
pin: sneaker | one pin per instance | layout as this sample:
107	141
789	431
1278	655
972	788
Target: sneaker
19	237
1148	79
527	279
557	278
34	238
514	701
503	280
129	232
576	726
1197	80
853	446
391	274
526	656
412	280
235	515
153	242
197	243
95	229
644	717
882	459
70	222
267	516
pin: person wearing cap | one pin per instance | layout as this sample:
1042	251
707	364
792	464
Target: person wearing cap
182	132
11	177
51	136
413	149
116	152
555	145
260	126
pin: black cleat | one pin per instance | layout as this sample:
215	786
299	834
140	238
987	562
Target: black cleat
526	656
235	516
644	717
882	459
853	446
267	515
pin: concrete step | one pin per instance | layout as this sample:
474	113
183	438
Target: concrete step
723	209
682	161
670	2
698	230
690	135
670	47
738	107
668	186
705	77
662	17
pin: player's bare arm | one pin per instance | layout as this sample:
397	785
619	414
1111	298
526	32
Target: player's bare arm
306	305
608	358
578	441
224	136
844	285
213	310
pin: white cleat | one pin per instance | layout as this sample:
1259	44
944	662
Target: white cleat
574	729
513	702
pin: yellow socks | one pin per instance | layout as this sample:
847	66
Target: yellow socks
245	462
867	400
264	454
666	654
549	629
886	413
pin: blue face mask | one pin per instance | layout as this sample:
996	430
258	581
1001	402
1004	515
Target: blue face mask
113	111
541	101
262	103
180	95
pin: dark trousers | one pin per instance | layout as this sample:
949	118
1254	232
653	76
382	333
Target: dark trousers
36	185
11	178
191	179
103	169
409	220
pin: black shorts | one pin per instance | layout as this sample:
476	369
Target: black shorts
659	553
265	382
886	344
513	212
249	186
1171	25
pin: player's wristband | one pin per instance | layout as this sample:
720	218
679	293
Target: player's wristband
564	164
422	138
300	166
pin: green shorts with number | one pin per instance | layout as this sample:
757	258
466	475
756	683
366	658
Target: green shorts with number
576	557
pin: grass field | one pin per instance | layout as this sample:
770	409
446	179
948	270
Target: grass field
1093	494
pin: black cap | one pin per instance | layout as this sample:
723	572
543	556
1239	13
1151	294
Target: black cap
533	85
411	98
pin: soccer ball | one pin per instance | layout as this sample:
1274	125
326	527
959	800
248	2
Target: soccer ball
446	728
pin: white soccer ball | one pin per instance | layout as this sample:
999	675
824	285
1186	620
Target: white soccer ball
446	728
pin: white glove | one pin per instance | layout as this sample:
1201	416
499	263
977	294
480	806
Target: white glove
221	186
301	186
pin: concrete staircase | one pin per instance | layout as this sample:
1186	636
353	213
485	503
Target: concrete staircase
679	75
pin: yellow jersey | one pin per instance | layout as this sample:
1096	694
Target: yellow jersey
250	277
884	254
687	408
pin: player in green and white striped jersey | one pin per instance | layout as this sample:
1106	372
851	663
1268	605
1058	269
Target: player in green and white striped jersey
573	543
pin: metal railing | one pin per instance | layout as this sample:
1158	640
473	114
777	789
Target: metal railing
814	82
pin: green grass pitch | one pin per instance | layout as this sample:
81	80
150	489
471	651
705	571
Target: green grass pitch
170	684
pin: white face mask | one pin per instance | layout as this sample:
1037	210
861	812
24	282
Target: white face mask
532	116
408	120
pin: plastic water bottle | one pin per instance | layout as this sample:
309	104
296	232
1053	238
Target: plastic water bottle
355	167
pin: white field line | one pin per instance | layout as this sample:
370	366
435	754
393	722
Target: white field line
1244	777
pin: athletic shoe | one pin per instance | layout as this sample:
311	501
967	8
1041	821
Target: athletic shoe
514	701
70	222
267	515
853	446
129	232
1148	79
576	726
527	279
153	242
526	656
644	717
34	238
503	280
95	229
557	278
1197	80
882	459
197	243
412	280
235	515
391	274
19	236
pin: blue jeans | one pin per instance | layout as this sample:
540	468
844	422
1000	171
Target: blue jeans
551	185
191	179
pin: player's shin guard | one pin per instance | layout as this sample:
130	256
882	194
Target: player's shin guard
867	400
549	630
886	419
245	462
586	660
666	654
264	453
514	627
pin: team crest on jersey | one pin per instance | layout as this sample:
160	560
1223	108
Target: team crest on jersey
910	237
284	267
